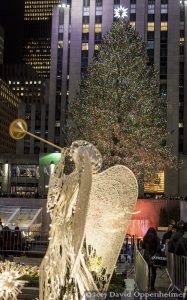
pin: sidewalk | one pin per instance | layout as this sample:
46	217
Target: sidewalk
161	287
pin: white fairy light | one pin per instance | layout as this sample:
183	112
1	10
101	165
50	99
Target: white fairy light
121	12
79	220
10	283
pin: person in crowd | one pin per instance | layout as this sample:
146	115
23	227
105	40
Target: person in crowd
1	225
16	239
177	233
181	246
6	240
167	235
1	229
151	245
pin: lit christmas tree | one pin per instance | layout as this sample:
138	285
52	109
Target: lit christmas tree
119	108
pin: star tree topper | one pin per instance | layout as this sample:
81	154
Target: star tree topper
121	12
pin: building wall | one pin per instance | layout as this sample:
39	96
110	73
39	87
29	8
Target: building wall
1	44
162	25
8	112
33	92
37	34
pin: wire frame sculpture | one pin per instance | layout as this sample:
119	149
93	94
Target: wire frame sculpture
90	212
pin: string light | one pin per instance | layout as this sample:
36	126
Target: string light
10	282
119	108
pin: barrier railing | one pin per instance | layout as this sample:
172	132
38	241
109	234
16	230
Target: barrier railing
141	271
15	242
127	251
177	271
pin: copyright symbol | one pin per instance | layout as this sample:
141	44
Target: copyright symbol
88	294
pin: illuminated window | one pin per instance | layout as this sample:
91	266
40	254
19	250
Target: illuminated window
164	8
133	24
61	28
151	26
96	47
99	11
60	44
86	11
157	185
84	46
181	40
98	28
85	28
164	26
151	9
133	8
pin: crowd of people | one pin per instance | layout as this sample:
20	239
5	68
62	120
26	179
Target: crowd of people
10	240
173	241
176	238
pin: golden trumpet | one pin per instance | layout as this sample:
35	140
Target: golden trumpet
18	129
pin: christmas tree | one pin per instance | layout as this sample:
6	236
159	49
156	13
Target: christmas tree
119	108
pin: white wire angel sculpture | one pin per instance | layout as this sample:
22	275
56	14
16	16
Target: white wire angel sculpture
90	212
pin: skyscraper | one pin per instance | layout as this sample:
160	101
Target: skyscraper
77	31
37	34
31	90
8	112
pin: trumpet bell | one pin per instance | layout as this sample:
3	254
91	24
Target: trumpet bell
18	129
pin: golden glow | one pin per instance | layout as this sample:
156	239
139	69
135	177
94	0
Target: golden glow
60	44
39	9
157	186
164	26
150	26
85	28
85	46
96	47
133	24
181	40
98	28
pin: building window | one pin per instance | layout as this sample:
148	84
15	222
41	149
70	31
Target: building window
164	26
133	24
156	186
85	28
150	26
86	11
86	3
61	29
150	44
85	46
133	8
164	9
151	9
99	2
98	28
99	10
86	19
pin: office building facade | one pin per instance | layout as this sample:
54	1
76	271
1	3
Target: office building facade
32	90
77	30
37	34
9	111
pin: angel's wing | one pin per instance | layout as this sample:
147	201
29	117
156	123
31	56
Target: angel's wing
113	196
82	203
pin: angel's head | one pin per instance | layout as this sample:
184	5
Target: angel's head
78	147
